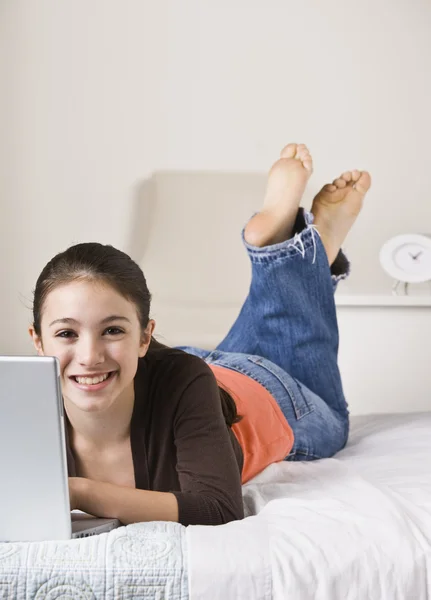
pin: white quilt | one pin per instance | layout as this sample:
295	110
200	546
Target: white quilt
145	560
355	527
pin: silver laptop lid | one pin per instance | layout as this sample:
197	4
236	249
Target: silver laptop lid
34	498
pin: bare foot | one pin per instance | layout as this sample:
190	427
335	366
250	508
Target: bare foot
336	207
286	184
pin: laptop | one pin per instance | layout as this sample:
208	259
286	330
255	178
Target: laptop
34	490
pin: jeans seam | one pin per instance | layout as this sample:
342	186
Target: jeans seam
298	412
303	453
243	371
276	254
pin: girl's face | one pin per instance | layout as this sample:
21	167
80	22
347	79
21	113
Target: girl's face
96	335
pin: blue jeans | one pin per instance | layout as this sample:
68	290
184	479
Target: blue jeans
286	338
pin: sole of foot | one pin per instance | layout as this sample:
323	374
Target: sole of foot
337	206
287	180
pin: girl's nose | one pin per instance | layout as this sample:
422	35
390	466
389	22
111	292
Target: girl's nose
90	353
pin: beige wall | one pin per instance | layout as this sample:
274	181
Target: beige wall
98	95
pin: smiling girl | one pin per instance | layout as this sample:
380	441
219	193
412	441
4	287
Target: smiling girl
159	433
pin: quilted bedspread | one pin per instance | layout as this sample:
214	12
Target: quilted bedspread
353	527
144	560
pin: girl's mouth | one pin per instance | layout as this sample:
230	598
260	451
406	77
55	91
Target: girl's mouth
85	384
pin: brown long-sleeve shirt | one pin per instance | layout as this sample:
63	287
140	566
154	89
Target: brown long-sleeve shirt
179	438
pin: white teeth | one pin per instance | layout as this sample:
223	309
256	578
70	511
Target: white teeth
91	380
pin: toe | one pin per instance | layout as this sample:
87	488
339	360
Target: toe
289	151
364	182
329	187
355	175
308	164
301	150
347	176
339	183
304	156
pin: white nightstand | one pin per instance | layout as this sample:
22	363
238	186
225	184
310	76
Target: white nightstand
385	351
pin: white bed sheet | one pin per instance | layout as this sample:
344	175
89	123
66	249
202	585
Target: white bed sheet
357	526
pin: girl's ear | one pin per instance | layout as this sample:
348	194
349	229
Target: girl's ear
37	341
146	338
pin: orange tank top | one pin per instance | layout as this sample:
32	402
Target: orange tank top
264	434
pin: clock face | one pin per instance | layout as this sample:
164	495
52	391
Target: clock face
413	258
407	258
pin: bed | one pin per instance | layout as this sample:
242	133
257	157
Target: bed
357	526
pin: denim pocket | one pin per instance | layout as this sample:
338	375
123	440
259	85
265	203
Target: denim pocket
290	386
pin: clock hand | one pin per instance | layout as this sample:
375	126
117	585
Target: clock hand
417	255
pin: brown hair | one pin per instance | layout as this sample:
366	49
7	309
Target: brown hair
106	265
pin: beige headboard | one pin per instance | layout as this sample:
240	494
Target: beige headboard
186	235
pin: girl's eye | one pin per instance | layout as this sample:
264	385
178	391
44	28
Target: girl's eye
67	334
64	334
114	330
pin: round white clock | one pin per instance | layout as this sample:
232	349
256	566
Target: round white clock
407	258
